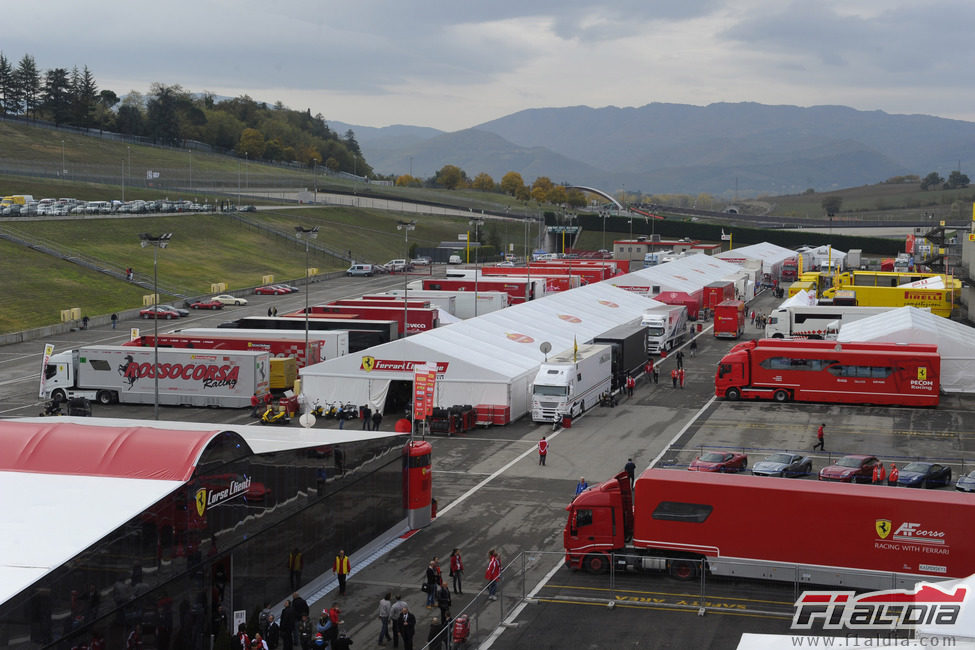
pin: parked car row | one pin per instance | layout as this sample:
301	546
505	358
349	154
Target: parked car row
853	468
399	265
275	289
67	206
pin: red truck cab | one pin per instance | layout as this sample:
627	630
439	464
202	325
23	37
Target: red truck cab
729	319
600	521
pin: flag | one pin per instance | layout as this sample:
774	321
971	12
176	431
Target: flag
725	237
575	350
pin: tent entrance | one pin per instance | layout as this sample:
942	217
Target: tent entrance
399	398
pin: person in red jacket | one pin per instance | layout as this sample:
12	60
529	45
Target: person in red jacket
493	574
630	385
894	474
542	450
457	570
341	567
876	474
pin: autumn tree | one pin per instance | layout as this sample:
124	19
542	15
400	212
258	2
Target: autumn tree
405	180
575	198
483	182
450	177
932	180
251	144
511	183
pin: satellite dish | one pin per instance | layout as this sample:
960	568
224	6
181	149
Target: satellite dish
545	348
307	420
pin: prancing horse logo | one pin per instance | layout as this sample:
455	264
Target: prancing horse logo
883	527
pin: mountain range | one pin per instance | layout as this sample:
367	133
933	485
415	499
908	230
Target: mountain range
724	149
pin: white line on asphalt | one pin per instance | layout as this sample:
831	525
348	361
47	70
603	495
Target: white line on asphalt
681	432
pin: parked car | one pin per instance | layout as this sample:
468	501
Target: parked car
398	265
227	299
270	290
719	461
423	260
783	465
290	288
924	475
855	468
159	312
367	270
178	310
966	483
454	259
205	303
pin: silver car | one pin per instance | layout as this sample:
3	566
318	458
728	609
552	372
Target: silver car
784	465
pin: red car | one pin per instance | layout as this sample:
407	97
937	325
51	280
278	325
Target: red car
206	303
856	468
719	461
159	312
270	290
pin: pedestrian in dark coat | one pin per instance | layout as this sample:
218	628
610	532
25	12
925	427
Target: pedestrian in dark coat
407	628
630	468
287	623
377	419
366	416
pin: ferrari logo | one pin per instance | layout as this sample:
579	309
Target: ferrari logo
368	363
883	528
201	501
922	373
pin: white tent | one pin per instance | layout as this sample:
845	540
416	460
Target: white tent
771	256
955	341
802	298
687	274
489	360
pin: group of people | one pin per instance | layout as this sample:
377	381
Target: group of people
759	320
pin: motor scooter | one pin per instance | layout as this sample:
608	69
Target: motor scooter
270	416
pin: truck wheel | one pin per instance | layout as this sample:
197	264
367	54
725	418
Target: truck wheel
104	397
683	569
780	396
732	394
596	564
778	336
59	395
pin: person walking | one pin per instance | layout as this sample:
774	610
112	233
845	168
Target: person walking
680	359
542	450
341	567
656	375
457	571
630	385
673	377
493	573
648	368
84	322
680	375
255	404
385	607
820	441
377	419
693	347
269	312
894	474
437	634
396	616
407	628
581	486
114	320
630	469
295	563
432	581
366	414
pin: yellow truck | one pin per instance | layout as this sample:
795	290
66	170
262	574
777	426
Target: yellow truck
892	279
939	301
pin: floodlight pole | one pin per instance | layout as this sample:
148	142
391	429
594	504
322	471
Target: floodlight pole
156	242
306	234
406	227
477	265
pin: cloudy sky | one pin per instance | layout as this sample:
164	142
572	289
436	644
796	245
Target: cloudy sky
454	64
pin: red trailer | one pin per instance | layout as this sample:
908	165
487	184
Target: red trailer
421	320
790	270
275	347
746	526
519	290
382	301
805	370
590	274
679	298
555	279
729	319
718	292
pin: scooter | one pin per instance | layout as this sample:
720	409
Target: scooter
51	409
318	411
271	417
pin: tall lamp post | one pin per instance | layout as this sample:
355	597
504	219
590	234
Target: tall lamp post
306	234
157	242
477	267
406	227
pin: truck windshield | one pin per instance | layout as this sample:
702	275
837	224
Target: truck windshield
654	330
551	391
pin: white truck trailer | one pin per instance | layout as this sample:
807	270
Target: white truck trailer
187	376
815	321
335	343
666	327
458	303
571	382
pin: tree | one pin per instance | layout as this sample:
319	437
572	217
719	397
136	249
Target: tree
557	195
956	180
511	183
483	182
129	120
28	82
85	98
251	144
450	177
931	180
543	183
351	143
405	180
56	95
575	198
831	204
8	87
162	121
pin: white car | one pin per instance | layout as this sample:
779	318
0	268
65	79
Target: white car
227	299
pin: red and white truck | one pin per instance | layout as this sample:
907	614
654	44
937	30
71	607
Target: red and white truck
519	290
729	319
422	319
718	292
756	527
461	304
275	347
331	343
187	377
